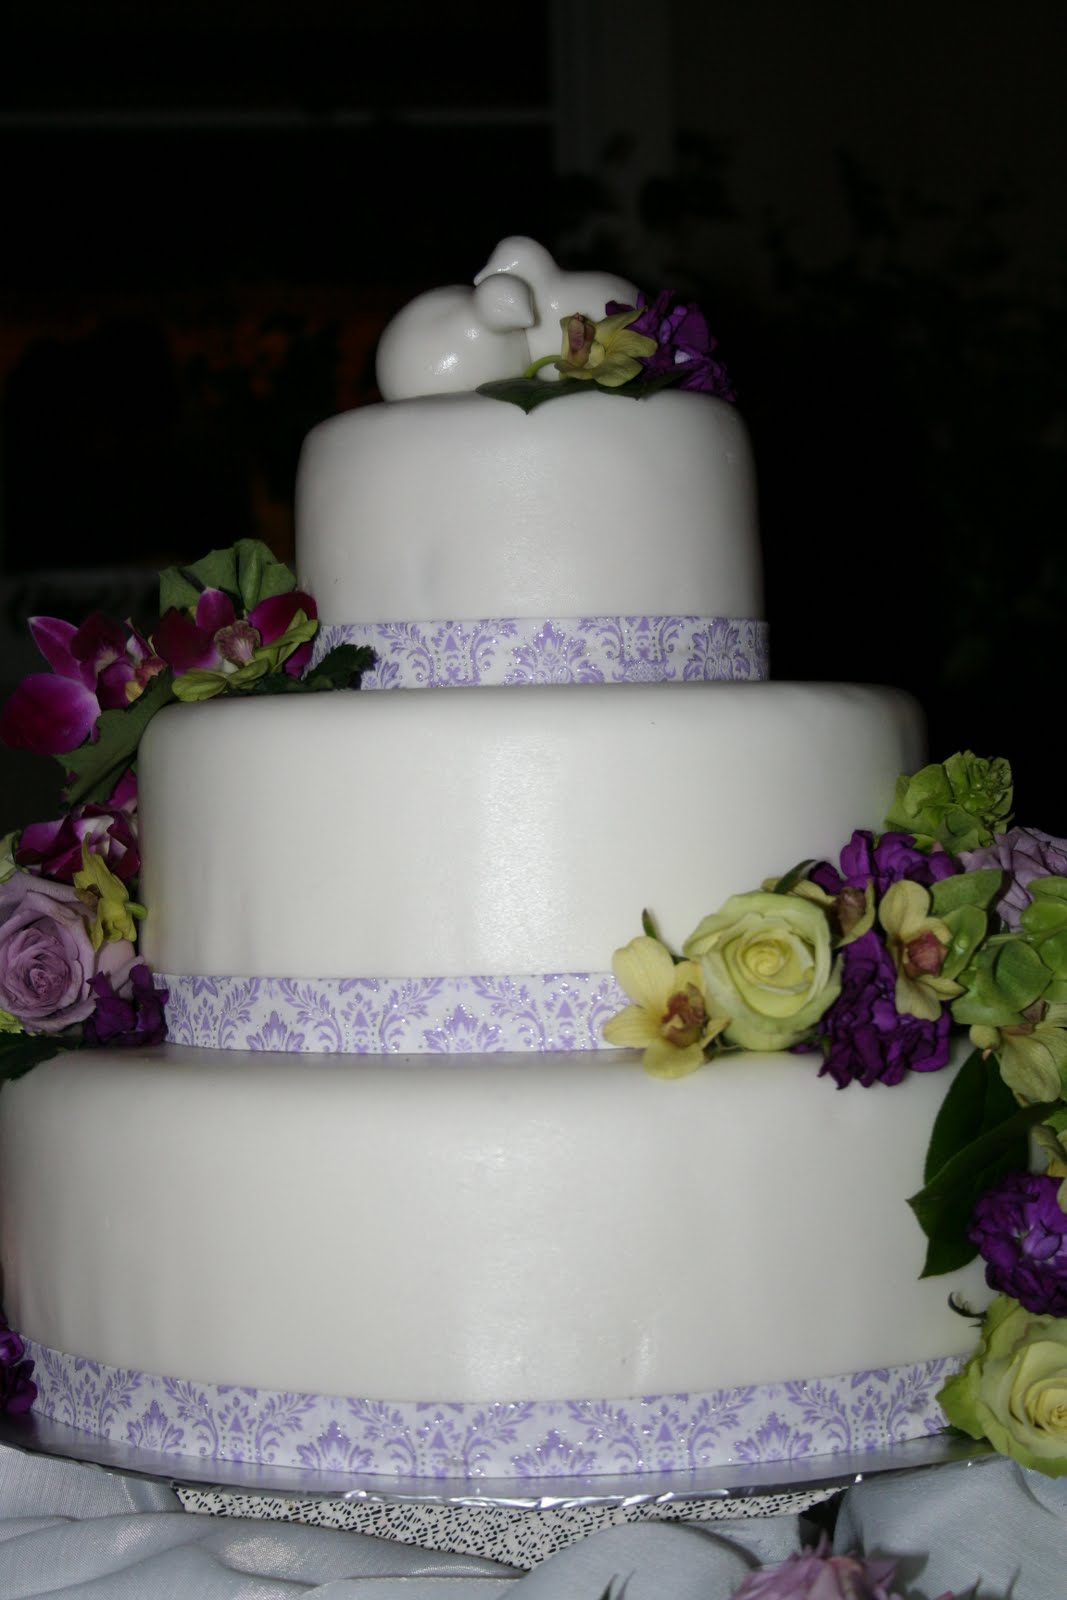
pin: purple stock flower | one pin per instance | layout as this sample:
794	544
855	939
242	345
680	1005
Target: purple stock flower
886	860
1022	854
684	344
1020	1231
17	1389
100	666
130	1019
47	960
54	849
820	1575
867	1040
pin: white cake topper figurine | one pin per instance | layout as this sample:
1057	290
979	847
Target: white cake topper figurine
450	340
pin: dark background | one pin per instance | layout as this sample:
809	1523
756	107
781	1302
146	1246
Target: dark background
209	212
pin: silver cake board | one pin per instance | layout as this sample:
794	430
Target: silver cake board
517	1521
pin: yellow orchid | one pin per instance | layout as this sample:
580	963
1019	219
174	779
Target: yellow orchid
1032	1053
670	1017
115	915
918	944
605	351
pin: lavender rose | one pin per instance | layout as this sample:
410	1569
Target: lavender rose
866	1039
1020	1230
1022	854
683	342
47	961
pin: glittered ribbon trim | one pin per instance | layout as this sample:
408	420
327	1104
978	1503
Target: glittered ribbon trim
376	1016
510	650
518	1439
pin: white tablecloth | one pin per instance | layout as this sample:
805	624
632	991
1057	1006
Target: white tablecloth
69	1530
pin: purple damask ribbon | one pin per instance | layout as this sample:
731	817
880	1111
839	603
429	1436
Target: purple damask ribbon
377	1016
502	1439
517	650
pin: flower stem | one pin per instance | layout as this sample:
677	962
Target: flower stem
535	366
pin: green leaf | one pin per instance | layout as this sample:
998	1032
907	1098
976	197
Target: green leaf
788	883
19	1052
1048	889
965	889
944	1205
96	766
526	393
976	1101
967	927
340	668
248	571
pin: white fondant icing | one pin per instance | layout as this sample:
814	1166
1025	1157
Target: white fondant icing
463	506
502	830
486	1229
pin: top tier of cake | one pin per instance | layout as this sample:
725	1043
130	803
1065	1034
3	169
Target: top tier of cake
459	506
443	503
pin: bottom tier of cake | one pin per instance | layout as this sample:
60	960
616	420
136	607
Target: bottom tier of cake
506	1266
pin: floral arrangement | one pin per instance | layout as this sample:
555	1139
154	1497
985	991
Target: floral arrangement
950	923
632	350
232	623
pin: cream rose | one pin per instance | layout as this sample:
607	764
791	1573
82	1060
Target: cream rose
1013	1390
768	965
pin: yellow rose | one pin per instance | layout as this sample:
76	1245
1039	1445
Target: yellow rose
1013	1390
768	965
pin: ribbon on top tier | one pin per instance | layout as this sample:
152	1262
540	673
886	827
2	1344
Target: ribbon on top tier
522	650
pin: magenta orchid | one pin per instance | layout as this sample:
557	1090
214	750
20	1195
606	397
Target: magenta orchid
100	666
109	828
214	639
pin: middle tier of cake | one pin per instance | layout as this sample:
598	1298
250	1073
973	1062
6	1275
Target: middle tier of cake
509	836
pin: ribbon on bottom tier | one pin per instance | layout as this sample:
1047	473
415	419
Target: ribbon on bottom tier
506	1439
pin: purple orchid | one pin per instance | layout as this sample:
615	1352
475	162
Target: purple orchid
684	344
866	1039
882	861
131	1018
17	1389
215	636
54	849
1022	854
1020	1231
98	667
820	1575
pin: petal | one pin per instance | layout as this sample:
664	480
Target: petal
634	1026
645	970
182	644
665	1060
49	715
272	616
214	610
53	638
